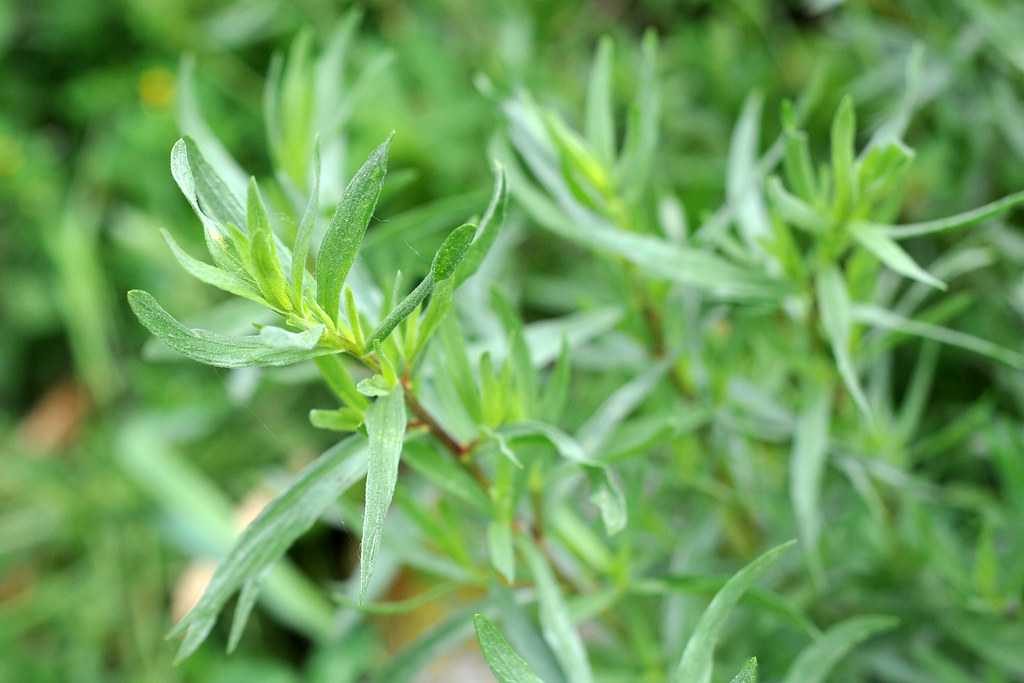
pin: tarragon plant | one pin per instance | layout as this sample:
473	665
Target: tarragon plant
747	340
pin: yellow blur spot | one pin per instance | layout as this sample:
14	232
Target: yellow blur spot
12	155
156	86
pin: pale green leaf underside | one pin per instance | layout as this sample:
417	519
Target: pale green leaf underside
274	346
385	427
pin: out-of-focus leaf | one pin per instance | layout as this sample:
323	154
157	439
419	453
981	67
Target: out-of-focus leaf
345	231
697	661
874	315
385	427
605	492
307	224
815	663
844	129
556	624
806	468
892	254
743	180
598	121
283	520
428	647
273	346
446	474
960	220
834	307
507	665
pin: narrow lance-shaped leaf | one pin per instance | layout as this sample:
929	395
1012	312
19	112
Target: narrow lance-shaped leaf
834	307
555	621
892	254
880	317
697	661
806	467
598	122
273	346
960	220
212	275
385	427
348	225
490	226
843	131
306	226
507	665
283	520
217	240
605	492
447	259
816	662
265	265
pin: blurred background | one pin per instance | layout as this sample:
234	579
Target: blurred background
123	473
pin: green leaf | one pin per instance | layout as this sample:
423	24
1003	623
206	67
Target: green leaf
743	178
189	171
748	674
880	317
385	427
446	260
490	226
556	390
307	225
834	308
264	263
816	662
595	432
960	220
283	520
891	254
334	372
641	138
697	661
843	132
796	158
598	120
806	469
446	474
555	621
795	211
345	231
340	420
605	492
507	665
273	346
211	275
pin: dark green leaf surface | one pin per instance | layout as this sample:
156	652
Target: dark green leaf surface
345	231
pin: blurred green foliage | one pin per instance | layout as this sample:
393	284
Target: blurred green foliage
116	472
